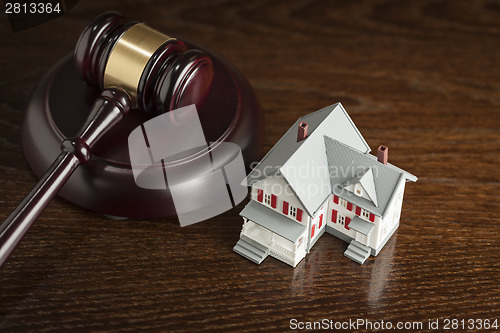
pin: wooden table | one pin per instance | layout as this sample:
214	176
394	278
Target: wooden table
423	79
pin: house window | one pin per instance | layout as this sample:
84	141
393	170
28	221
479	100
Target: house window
357	190
343	202
320	221
293	211
341	219
365	214
267	199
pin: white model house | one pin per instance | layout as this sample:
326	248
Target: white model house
320	177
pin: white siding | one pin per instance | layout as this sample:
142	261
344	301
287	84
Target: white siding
341	211
278	186
391	216
315	221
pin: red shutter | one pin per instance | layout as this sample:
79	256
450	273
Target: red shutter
260	195
299	214
358	210
285	207
347	221
334	216
320	221
312	231
273	201
349	206
336	199
372	217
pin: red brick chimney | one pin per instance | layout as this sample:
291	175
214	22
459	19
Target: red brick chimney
383	154
302	132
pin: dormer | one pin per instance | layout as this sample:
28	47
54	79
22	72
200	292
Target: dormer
363	185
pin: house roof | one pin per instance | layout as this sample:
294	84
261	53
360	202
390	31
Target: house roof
333	142
346	162
333	120
303	163
361	225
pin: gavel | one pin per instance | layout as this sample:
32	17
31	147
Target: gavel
136	67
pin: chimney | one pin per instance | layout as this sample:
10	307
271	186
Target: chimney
302	132
383	154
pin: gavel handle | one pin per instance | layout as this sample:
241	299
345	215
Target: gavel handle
107	111
20	220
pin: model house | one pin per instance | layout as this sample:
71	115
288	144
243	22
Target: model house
320	177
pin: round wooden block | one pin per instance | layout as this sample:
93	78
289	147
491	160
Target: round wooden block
60	104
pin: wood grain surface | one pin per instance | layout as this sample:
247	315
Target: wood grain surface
420	77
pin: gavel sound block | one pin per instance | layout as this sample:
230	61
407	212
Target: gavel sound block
61	102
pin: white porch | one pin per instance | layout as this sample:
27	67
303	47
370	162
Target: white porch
285	239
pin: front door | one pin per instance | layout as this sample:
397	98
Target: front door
361	238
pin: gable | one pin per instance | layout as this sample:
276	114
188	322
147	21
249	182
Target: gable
332	120
307	173
307	169
363	185
279	186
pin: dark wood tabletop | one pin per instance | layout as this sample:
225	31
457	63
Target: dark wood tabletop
420	77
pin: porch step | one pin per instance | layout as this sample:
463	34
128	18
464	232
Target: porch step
357	252
251	249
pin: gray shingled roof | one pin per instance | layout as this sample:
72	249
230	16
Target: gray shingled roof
361	225
345	162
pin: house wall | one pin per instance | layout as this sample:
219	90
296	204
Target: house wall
287	252
318	223
334	220
380	234
278	186
374	238
390	221
342	208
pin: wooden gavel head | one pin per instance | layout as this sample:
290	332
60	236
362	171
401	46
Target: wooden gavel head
157	71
